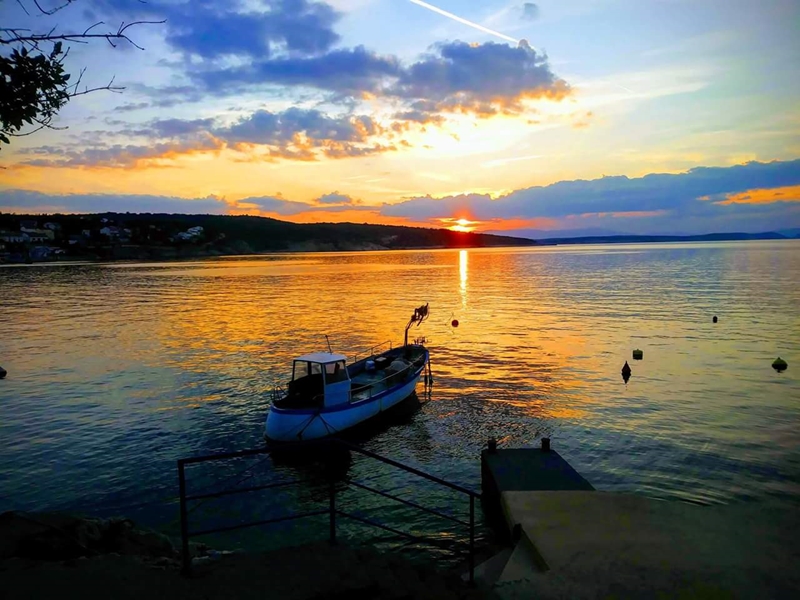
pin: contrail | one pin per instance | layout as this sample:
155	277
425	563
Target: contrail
450	15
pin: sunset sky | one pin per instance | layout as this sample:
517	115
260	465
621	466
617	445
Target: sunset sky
630	116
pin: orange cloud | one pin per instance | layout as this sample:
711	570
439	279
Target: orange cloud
511	224
129	156
484	108
790	193
582	120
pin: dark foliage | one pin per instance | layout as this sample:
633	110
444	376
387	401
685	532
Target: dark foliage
33	83
33	87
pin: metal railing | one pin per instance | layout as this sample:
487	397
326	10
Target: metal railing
421	363
396	375
371	351
332	511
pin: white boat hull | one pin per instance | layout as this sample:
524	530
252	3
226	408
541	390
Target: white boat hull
292	425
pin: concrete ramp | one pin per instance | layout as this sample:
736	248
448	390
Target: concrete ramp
600	544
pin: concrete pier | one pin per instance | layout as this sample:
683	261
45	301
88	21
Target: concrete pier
522	470
569	541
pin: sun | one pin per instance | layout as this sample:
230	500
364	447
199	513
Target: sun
463	225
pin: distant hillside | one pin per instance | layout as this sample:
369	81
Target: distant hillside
638	239
144	235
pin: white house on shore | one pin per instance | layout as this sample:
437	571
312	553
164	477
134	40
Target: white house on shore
191	234
13	237
45	234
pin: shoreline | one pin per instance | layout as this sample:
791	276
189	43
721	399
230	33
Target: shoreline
171	257
178	257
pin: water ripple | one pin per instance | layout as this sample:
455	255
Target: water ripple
118	370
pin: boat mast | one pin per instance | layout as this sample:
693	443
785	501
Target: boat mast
420	314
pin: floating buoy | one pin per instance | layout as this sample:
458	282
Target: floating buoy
3	372
779	365
454	323
638	355
626	372
714	319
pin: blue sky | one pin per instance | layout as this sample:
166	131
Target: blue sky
388	111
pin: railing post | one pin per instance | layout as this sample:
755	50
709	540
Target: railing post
471	539
187	559
332	503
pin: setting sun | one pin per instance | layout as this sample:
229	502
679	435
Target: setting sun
463	225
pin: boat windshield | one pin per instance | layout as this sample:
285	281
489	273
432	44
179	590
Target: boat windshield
335	372
304	368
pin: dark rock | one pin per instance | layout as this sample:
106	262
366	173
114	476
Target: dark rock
38	537
165	562
54	536
198	549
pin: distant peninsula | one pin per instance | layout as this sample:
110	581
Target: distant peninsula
146	236
647	239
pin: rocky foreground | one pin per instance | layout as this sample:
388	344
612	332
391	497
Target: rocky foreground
63	556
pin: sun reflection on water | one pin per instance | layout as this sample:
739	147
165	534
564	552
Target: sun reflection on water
463	264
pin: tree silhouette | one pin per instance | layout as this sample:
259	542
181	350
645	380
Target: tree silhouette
34	85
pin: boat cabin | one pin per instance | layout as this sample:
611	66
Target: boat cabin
318	380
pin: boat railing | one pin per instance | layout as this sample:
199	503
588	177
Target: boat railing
326	449
276	392
372	350
319	399
371	386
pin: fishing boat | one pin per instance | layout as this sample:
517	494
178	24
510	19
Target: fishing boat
327	396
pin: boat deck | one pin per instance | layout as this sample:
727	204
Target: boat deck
366	384
370	383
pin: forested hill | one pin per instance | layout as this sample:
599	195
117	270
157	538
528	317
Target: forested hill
242	234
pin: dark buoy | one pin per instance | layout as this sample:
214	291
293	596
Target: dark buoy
3	372
454	323
626	372
779	365
638	355
714	319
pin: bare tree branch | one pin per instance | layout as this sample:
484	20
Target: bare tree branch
43	124
117	89
88	29
39	128
78	82
22	6
52	11
80	38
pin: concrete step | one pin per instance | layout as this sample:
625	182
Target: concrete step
488	571
525	562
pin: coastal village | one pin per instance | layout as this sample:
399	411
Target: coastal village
57	237
163	236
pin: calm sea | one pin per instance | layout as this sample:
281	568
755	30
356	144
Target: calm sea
117	370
